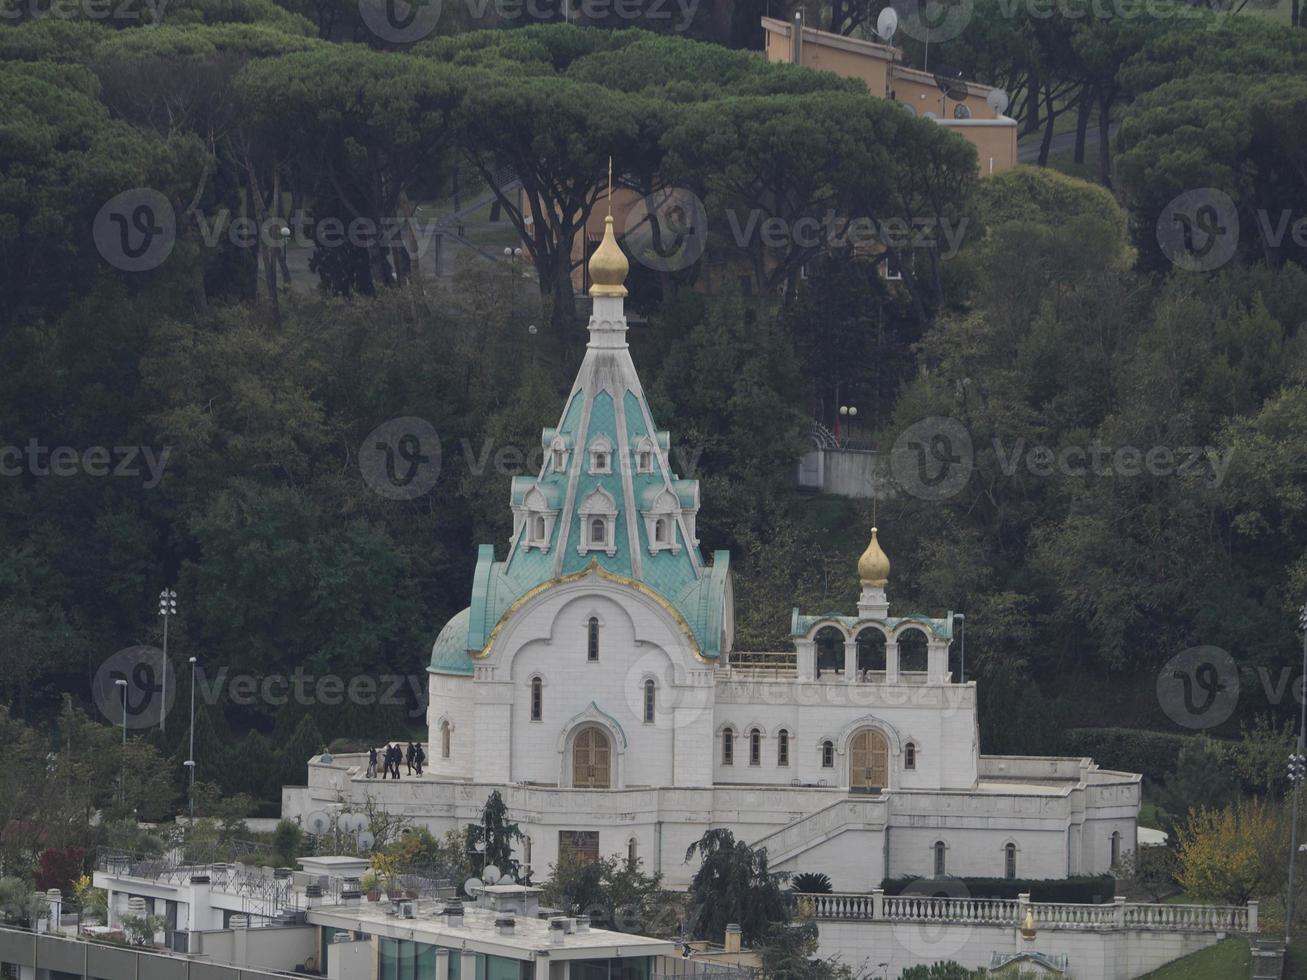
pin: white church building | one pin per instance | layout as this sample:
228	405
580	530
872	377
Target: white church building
592	681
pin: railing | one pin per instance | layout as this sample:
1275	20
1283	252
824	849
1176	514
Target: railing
1011	913
764	661
1188	918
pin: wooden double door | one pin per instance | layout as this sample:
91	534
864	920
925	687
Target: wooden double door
868	760
592	756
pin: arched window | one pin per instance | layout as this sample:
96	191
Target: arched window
632	852
912	651
728	747
539	532
1116	847
830	651
782	748
650	694
560	460
871	650
909	756
646	462
660	530
755	747
592	647
939	858
1009	861
444	739
537	698
828	754
598	532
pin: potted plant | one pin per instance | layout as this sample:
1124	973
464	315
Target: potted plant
386	868
371	885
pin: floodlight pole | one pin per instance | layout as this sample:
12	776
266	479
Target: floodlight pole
1297	769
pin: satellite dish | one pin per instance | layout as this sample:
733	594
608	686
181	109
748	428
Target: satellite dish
506	879
366	840
318	822
951	84
358	822
490	873
997	100
474	886
887	23
929	115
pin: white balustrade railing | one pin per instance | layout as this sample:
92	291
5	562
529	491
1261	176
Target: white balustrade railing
876	906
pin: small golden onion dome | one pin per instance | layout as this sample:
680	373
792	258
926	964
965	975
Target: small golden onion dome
873	566
1028	926
608	266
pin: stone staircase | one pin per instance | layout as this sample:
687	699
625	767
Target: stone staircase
821	825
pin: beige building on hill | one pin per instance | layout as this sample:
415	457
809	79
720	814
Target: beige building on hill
880	66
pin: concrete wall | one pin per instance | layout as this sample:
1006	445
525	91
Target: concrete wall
843	472
1106	955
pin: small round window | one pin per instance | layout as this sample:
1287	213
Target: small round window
960	111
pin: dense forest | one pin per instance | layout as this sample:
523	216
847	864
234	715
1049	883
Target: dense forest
192	421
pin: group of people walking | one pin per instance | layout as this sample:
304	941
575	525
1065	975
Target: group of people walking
391	756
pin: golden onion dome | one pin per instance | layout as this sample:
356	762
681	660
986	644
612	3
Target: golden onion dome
608	265
873	566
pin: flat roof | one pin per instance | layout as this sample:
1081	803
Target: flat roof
530	938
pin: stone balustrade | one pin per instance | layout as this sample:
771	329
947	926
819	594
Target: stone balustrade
876	906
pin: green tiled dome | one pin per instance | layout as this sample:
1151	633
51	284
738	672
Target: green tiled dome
449	653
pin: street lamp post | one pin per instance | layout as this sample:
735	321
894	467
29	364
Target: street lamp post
847	411
190	759
167	609
122	788
1297	769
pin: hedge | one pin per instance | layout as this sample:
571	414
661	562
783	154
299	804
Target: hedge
1154	754
1083	889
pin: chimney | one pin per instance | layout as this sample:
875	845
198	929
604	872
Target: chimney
313	896
504	924
582	923
732	944
557	931
454	913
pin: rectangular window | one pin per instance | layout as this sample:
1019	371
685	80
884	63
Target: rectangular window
578	846
728	748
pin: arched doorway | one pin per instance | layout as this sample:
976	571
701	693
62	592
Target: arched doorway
591	759
868	760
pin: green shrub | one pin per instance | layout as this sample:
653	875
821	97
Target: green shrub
811	883
1082	889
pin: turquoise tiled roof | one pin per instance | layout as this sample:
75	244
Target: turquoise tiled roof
449	653
606	403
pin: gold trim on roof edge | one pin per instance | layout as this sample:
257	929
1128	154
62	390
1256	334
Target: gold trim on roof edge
591	569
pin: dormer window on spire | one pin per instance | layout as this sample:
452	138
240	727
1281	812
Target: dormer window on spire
598	516
601	456
558	455
539	517
659	514
644	456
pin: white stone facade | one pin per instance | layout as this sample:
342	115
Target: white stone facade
592	681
